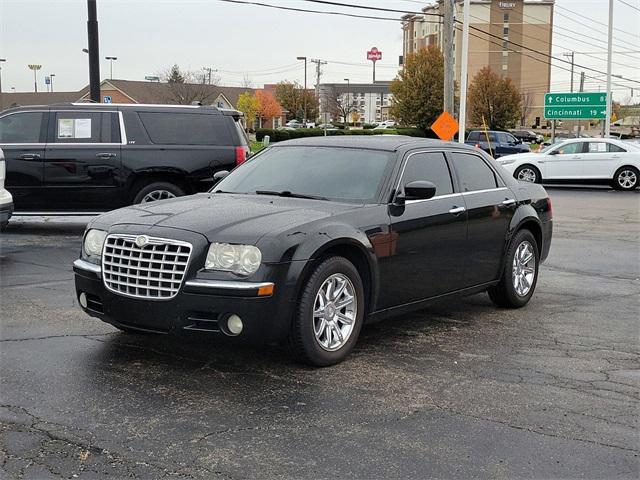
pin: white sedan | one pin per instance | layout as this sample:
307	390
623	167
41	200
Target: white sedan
579	160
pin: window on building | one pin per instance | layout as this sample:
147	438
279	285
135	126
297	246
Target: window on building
505	31
504	66
505	18
505	45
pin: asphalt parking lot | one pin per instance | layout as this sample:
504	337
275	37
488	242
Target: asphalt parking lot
460	390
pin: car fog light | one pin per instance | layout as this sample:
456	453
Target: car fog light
234	324
83	300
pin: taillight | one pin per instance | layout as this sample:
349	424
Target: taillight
241	155
477	145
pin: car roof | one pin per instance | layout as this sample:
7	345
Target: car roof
127	106
377	142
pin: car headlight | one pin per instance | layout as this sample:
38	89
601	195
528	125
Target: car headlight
239	259
93	242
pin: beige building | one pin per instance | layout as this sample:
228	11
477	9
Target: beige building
508	24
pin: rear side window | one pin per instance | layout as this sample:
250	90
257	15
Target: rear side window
473	136
429	166
21	128
186	128
615	148
473	173
86	127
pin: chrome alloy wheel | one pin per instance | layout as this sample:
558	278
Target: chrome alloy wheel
157	195
527	175
524	269
334	312
627	179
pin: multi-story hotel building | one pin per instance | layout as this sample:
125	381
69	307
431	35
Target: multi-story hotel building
498	32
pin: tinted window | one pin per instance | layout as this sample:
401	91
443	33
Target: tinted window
336	173
615	148
431	167
473	173
570	148
186	128
86	127
473	136
21	128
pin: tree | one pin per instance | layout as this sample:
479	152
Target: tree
526	106
292	97
249	105
186	87
339	104
418	88
268	106
493	100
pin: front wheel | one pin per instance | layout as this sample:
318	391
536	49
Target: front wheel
626	178
528	173
329	315
520	275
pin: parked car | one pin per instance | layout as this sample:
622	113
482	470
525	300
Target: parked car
95	157
577	160
496	143
327	126
312	238
294	124
562	136
6	200
527	136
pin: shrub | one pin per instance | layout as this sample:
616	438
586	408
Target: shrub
368	126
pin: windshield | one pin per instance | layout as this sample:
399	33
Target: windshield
340	174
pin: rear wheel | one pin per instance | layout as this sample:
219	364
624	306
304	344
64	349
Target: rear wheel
329	315
626	178
528	173
157	191
520	275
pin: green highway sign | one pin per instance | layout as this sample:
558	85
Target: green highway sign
575	113
578	105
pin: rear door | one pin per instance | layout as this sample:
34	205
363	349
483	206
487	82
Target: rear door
22	138
490	206
428	236
82	167
600	159
564	162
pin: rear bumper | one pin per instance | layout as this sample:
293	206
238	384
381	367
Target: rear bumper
201	305
547	233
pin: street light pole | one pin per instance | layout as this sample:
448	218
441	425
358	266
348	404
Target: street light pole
94	50
111	59
35	68
304	94
464	61
607	120
51	75
2	60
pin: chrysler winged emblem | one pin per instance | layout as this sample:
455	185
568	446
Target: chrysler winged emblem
142	240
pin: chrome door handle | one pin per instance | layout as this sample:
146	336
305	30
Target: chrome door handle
508	202
105	155
457	210
30	156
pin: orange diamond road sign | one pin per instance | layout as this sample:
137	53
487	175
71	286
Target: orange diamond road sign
445	126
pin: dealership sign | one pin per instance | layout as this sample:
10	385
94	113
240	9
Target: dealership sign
374	55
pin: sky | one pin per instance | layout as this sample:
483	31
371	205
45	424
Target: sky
262	44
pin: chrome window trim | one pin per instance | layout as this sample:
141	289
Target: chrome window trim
472	192
448	195
227	284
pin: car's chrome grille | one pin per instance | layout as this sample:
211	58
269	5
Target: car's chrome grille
144	267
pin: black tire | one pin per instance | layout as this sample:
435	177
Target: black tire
302	339
522	170
626	178
504	294
170	189
4	225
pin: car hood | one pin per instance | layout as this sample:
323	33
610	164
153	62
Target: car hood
220	217
519	156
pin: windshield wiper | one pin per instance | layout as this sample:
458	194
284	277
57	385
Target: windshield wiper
287	193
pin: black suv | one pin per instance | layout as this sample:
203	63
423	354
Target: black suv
93	157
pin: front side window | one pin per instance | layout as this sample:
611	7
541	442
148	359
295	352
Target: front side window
429	166
569	148
473	173
86	127
340	174
21	127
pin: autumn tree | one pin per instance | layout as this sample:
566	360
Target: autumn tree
418	88
268	106
493	100
249	105
187	87
339	105
293	98
526	106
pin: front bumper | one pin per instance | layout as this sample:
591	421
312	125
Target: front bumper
201	305
6	205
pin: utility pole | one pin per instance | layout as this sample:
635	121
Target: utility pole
580	90
607	119
572	55
462	119
94	51
304	95
2	60
208	75
319	64
447	51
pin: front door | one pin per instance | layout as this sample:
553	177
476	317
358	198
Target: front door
490	208
428	237
564	162
82	168
22	139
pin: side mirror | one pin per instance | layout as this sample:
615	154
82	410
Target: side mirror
220	175
553	152
418	190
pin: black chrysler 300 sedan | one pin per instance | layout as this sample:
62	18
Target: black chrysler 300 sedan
311	238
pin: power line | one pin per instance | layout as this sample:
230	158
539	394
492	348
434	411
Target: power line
629	5
635	35
364	7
